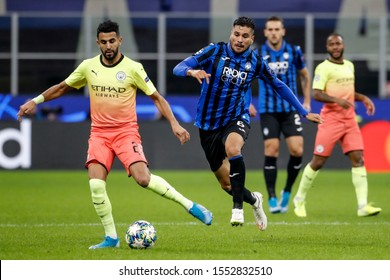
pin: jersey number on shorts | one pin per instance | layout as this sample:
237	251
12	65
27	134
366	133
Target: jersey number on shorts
136	148
297	120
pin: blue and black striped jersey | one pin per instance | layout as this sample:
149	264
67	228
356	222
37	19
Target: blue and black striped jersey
226	96
285	62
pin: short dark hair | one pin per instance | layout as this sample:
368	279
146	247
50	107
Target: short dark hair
107	26
334	34
245	21
275	18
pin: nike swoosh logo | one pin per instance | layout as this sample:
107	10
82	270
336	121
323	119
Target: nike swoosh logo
269	167
225	58
99	203
234	174
309	179
298	166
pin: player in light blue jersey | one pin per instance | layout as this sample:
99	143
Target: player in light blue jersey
277	116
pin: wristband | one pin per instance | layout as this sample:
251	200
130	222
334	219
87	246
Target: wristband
39	99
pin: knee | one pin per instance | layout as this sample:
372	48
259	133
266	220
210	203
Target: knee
140	173
232	151
142	179
271	147
297	152
271	151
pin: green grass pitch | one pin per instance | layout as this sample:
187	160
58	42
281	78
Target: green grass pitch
47	215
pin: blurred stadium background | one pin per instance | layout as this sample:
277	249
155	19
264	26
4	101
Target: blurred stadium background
43	41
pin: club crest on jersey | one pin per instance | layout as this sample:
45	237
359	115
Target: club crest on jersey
248	66
120	76
286	55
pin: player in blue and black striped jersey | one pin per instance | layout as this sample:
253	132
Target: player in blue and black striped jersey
277	116
225	71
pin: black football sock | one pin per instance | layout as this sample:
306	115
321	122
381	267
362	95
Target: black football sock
237	180
293	167
248	197
270	172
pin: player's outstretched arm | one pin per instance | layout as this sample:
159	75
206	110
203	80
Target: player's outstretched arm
199	75
286	93
49	94
189	67
316	118
165	109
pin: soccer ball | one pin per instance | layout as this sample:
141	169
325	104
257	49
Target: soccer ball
141	235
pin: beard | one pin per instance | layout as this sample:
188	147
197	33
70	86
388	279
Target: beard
110	56
338	56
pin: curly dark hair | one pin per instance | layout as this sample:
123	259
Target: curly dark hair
107	26
245	21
